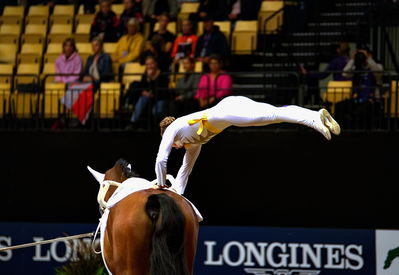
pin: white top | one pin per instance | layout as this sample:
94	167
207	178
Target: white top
180	133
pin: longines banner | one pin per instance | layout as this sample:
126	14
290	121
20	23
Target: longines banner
228	250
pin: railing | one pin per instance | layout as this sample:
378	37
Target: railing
60	107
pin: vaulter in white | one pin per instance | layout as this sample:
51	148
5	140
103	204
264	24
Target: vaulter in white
193	130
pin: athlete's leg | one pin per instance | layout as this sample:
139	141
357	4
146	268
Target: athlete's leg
243	112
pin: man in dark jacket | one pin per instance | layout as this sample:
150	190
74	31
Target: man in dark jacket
211	42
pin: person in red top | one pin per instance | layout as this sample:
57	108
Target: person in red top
184	45
214	85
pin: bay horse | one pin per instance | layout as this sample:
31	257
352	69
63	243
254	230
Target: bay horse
149	232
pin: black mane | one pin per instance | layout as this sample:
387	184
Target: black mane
129	173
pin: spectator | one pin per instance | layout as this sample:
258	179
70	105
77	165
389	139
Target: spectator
336	65
186	88
99	65
244	10
154	8
214	85
365	74
129	46
105	24
155	48
167	36
216	9
185	44
132	10
69	62
211	42
153	91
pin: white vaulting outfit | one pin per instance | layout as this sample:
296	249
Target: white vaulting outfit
193	130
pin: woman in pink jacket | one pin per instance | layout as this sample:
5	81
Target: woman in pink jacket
69	62
214	85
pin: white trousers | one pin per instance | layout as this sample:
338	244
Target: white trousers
242	112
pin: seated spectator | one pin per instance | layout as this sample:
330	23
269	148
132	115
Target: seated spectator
184	45
335	66
154	48
167	36
98	65
69	62
129	46
154	8
132	10
211	42
244	10
217	9
186	88
365	74
105	24
153	90
214	85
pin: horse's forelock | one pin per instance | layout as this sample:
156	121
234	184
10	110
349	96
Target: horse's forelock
124	165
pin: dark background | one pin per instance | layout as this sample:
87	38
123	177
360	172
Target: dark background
252	177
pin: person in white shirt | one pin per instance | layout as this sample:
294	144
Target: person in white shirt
193	130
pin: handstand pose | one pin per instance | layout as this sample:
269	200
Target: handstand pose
193	130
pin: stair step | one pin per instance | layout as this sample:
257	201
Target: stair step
340	14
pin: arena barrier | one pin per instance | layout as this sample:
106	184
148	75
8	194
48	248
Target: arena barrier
228	250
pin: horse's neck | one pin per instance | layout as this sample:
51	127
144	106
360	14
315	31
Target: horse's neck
109	193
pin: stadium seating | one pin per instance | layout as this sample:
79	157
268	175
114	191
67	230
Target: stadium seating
38	15
6	69
267	9
244	37
30	53
48	69
185	9
337	91
62	14
35	33
132	68
171	27
82	32
53	92
5	92
8	53
108	99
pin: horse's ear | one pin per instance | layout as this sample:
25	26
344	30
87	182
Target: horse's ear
97	175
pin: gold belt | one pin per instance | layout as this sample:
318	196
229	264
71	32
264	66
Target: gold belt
204	123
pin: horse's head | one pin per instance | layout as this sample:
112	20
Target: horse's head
120	172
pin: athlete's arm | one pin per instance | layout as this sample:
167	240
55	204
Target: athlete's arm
163	154
189	159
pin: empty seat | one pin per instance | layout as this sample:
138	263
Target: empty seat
47	73
84	19
63	14
11	20
6	72
244	37
84	48
30	53
53	93
82	33
135	70
10	29
54	48
17	11
337	91
27	73
8	53
38	14
5	92
34	33
61	29
109	48
273	13
108	99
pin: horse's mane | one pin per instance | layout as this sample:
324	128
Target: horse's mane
127	172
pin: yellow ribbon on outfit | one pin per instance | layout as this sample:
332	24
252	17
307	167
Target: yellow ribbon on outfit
203	123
